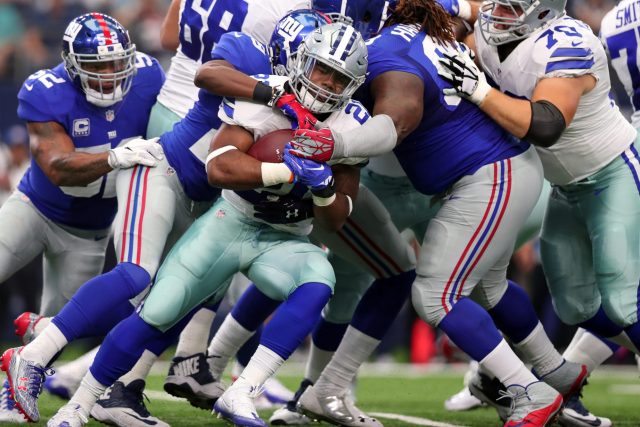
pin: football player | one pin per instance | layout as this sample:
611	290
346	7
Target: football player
86	118
230	238
588	151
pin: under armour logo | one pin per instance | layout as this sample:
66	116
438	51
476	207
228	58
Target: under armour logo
293	213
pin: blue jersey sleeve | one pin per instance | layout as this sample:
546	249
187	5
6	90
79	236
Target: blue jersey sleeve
243	52
45	97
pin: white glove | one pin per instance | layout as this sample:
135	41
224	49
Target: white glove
459	70
146	152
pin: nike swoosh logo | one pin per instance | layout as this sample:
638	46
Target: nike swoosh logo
28	86
315	169
148	422
574	44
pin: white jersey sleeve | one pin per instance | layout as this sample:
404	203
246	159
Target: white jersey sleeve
620	37
565	49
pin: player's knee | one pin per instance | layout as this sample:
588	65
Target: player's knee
135	278
341	307
572	312
489	293
621	313
426	296
167	302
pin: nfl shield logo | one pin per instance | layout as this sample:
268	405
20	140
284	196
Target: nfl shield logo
110	115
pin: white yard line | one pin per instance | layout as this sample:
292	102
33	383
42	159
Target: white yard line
413	420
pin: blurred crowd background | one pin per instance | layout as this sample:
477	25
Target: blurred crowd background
31	39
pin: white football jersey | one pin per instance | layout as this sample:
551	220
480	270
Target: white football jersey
565	48
619	35
261	120
200	28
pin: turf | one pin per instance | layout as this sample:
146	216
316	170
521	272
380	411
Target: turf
613	394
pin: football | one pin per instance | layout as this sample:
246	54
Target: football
270	147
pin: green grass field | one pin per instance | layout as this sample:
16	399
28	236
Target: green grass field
612	393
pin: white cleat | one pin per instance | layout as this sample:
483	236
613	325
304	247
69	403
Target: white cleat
285	416
276	392
70	415
61	385
462	401
574	414
236	405
8	411
338	410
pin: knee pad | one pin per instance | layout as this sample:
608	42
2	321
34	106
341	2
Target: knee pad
426	296
166	304
488	295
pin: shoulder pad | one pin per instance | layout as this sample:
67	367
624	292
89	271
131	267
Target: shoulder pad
46	96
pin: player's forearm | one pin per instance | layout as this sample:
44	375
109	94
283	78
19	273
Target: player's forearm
512	114
237	171
76	169
333	216
377	136
220	78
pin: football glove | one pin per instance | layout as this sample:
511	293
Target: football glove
459	70
283	211
460	8
146	152
283	99
312	144
318	177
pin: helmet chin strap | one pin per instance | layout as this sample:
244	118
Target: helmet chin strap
97	98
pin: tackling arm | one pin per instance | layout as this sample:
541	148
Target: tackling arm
221	78
55	153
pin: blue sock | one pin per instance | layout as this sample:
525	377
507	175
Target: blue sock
381	304
514	314
470	327
600	324
327	335
102	302
253	308
124	345
246	351
295	318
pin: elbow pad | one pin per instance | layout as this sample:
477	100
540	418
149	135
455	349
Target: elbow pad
547	124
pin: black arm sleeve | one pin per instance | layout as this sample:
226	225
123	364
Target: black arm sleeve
547	124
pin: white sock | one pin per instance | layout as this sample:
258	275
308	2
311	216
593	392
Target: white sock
46	345
141	369
225	344
574	341
41	325
354	349
77	368
318	359
88	392
263	364
589	351
503	363
538	350
195	335
624	340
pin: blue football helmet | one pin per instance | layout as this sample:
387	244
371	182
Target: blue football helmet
366	16
290	31
99	56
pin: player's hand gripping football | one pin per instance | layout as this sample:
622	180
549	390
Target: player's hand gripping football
286	101
460	71
313	144
317	176
146	152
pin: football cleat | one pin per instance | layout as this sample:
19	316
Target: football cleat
8	411
189	377
532	406
25	326
276	392
491	392
124	406
338	410
574	414
462	401
236	405
568	378
70	415
288	415
25	382
61	385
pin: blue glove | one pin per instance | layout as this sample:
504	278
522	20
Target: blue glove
317	176
451	6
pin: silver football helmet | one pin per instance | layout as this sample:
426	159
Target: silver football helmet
504	21
337	48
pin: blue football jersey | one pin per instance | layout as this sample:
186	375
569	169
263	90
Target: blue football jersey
454	138
187	145
50	96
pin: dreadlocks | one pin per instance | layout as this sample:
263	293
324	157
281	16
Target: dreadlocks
433	19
